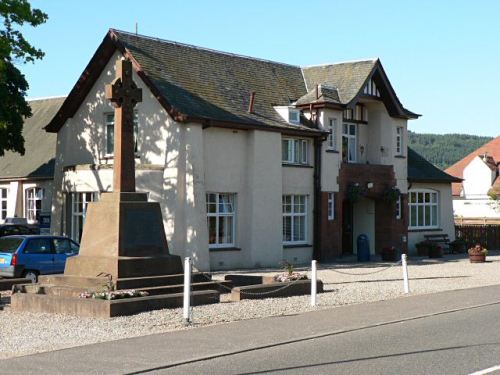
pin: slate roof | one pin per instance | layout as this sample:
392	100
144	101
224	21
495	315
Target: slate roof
40	146
213	87
492	148
421	170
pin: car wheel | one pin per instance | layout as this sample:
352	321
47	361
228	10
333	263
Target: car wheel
31	275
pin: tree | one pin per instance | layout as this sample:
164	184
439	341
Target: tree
15	49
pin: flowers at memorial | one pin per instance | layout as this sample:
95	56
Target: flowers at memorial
285	277
115	294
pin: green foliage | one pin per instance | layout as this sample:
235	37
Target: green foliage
14	49
444	150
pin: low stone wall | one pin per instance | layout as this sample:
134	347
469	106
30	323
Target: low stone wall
273	290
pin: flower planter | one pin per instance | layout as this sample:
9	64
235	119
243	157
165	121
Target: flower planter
478	258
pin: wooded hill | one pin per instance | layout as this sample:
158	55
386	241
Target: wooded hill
443	150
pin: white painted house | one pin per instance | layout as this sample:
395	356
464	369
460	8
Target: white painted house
478	196
252	161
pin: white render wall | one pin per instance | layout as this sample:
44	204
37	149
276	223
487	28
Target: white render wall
446	220
478	178
177	165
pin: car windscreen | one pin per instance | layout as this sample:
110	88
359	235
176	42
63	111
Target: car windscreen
9	245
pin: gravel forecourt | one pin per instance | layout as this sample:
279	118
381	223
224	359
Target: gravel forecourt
27	333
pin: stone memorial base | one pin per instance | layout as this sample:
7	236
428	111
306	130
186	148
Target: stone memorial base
123	247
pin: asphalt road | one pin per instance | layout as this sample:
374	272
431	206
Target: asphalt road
454	343
454	332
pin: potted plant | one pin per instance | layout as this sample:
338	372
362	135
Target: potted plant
390	254
392	194
477	254
458	246
435	251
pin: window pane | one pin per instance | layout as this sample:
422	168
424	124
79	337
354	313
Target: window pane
413	197
427	216
434	197
434	216
287	228
287	204
299	228
352	149
413	216
226	230
211	203
285	150
352	129
420	216
212	230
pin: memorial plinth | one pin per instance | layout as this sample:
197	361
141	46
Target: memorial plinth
123	237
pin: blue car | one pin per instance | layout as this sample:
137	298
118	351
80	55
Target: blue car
32	255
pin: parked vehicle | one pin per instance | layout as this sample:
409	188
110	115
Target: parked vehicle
16	220
31	255
16	229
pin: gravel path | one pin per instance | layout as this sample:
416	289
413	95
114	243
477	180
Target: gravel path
26	333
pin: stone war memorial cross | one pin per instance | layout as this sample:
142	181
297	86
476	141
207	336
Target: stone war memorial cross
124	94
123	234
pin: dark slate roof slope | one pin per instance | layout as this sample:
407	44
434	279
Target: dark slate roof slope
40	146
421	170
207	84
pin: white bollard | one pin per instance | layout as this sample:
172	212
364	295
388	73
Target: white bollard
405	274
314	277
187	291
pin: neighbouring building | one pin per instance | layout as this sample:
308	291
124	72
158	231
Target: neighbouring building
477	198
26	180
253	161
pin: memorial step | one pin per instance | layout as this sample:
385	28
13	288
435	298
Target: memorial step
103	308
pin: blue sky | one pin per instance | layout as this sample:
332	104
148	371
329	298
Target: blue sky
442	57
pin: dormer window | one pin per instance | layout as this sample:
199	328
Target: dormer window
293	116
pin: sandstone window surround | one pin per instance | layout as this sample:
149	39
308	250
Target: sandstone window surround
109	123
331	206
332	137
295	219
398	208
79	204
399	140
221	219
294	151
4	195
424	209
33	203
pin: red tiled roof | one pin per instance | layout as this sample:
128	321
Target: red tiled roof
492	148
